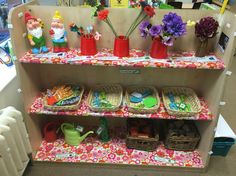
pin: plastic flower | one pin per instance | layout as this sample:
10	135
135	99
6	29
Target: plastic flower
174	25
149	11
167	40
206	28
103	14
155	31
146	11
144	28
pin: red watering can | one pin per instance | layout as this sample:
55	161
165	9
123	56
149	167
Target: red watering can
50	131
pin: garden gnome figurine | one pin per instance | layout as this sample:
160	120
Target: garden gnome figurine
35	34
58	34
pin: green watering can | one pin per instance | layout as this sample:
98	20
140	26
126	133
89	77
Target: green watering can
72	135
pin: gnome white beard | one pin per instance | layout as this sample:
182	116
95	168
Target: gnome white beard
58	33
38	32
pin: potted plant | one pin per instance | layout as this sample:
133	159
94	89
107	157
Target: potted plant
163	35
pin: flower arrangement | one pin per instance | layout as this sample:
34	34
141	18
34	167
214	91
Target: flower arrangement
172	28
103	15
88	39
89	33
206	28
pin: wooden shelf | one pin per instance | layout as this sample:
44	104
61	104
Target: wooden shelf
115	152
137	58
38	108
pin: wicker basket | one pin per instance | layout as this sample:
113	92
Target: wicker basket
191	98
178	139
67	107
132	107
141	143
114	96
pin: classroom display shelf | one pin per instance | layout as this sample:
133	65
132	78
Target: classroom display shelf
83	110
137	58
115	152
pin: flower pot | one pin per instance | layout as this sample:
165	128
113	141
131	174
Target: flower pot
50	131
202	49
88	45
158	49
121	47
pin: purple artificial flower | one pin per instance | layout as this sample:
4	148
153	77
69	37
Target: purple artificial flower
173	25
155	31
168	40
144	28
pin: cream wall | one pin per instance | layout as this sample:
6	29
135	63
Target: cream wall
10	97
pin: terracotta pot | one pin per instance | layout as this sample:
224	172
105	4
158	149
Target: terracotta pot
158	49
88	45
50	131
121	47
202	49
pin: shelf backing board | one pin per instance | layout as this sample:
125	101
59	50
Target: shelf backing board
36	77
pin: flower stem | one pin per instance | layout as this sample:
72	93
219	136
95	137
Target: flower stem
136	25
140	13
108	21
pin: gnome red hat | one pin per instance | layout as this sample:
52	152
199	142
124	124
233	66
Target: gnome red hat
28	17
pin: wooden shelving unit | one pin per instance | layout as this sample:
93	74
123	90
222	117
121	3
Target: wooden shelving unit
37	73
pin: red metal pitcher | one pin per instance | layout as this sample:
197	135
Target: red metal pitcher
158	50
50	131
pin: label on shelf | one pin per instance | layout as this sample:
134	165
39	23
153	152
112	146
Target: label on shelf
130	71
65	155
50	55
108	58
197	59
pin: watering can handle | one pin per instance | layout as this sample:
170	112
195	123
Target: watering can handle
65	124
46	126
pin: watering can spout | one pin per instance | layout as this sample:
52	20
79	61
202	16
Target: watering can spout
85	135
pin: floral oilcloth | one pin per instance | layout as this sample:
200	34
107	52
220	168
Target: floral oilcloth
115	152
105	58
38	108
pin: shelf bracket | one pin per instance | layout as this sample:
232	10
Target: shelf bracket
228	25
24	34
210	152
19	90
20	14
228	73
222	103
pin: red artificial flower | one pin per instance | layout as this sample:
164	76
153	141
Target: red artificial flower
149	11
103	14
